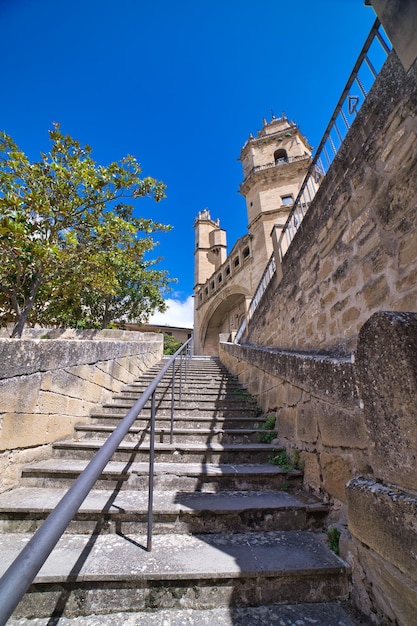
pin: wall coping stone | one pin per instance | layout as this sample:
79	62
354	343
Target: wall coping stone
325	375
27	356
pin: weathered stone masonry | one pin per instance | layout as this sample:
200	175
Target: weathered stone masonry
331	350
48	385
356	252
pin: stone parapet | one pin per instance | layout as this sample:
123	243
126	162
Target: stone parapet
48	385
315	401
353	421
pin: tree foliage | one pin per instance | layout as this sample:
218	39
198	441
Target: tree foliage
170	345
71	251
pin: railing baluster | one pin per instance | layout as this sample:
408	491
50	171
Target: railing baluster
27	564
171	430
151	473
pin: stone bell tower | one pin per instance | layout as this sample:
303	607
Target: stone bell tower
274	166
210	247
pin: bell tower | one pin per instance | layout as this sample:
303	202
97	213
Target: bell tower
210	247
274	164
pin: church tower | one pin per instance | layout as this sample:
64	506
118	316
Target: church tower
210	247
274	166
275	163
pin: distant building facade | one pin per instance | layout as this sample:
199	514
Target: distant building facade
180	334
274	166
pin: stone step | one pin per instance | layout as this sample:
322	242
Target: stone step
187	395
187	403
181	421
163	434
197	383
231	411
111	573
111	511
177	452
316	613
197	477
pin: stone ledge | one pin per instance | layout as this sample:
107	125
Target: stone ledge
385	519
26	356
328	377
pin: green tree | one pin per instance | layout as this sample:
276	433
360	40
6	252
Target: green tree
170	345
71	251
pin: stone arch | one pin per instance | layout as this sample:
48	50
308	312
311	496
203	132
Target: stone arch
222	316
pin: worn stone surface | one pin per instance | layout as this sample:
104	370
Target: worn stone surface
336	471
46	385
394	595
386	365
340	427
355	251
317	614
385	519
222	566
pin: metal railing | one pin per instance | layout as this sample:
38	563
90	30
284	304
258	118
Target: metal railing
263	284
362	77
278	163
340	122
18	577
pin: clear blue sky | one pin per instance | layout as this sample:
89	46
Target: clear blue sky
180	85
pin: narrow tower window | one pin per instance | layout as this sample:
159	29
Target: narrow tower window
280	156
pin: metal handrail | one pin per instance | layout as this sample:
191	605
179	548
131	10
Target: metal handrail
269	272
18	577
317	168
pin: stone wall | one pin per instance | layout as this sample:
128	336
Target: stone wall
336	370
315	402
47	385
355	252
353	421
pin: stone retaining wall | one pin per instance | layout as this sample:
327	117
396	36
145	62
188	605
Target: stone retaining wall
47	385
355	252
353	420
314	399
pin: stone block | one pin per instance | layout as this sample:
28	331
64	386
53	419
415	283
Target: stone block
385	520
341	428
336	470
357	226
20	394
350	315
307	426
58	404
376	292
11	463
386	370
393	593
407	283
285	423
25	431
67	384
311	469
334	236
408	251
93	374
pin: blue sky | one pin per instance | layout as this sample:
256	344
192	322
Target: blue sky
180	85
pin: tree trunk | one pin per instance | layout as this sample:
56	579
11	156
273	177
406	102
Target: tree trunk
21	322
22	314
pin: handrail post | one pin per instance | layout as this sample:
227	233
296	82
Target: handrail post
171	435
21	573
151	473
180	394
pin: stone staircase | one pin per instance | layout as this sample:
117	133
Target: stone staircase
236	540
